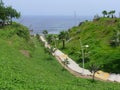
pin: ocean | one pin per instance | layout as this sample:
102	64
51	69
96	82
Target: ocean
53	24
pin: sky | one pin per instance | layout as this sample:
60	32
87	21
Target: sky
64	7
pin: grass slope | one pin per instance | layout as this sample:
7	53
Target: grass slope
97	34
39	70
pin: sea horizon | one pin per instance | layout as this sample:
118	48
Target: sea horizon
52	23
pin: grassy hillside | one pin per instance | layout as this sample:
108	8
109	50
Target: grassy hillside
25	66
99	35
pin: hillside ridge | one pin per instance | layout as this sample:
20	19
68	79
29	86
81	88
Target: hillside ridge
103	38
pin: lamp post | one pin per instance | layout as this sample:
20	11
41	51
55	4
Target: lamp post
83	54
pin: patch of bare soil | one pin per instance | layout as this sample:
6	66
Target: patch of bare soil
25	52
111	22
10	42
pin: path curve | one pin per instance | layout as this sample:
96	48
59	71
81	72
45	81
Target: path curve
76	70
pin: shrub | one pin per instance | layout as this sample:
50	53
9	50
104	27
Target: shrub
23	33
37	36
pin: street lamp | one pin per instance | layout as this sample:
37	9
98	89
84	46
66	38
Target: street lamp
83	54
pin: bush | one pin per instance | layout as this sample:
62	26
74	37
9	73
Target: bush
23	33
37	36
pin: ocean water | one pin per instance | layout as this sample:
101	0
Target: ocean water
53	24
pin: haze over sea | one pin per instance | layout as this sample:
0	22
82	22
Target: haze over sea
53	24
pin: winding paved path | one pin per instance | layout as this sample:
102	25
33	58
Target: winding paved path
75	69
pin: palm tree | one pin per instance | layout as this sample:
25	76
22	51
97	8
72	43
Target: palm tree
109	14
63	36
50	38
104	13
112	13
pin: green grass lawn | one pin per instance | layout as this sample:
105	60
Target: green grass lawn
39	70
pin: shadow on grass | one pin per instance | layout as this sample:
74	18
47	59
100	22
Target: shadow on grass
92	81
63	69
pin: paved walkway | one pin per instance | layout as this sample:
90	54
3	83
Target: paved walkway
72	64
75	67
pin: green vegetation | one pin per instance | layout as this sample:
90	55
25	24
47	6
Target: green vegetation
93	69
103	37
63	36
108	14
7	13
24	65
45	32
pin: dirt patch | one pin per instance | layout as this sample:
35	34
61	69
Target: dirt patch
25	52
10	42
111	22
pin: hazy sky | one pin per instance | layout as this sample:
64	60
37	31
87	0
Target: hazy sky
64	7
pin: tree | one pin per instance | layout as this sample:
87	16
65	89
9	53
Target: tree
12	13
93	69
50	38
104	13
109	14
112	13
50	50
7	13
63	36
45	32
2	13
